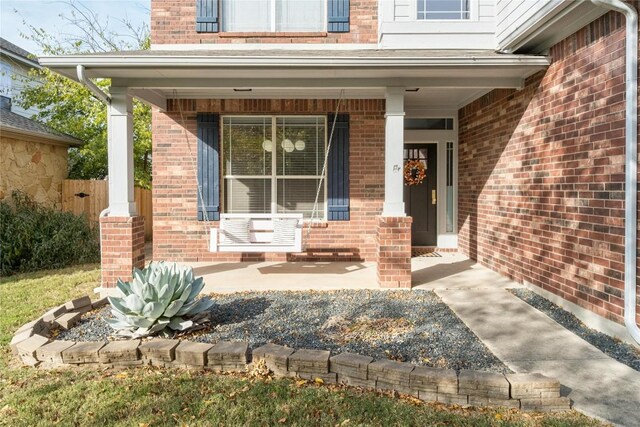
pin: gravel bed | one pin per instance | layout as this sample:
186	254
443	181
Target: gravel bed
622	352
414	326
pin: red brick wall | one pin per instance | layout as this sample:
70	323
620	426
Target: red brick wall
178	236
541	196
394	252
173	22
122	241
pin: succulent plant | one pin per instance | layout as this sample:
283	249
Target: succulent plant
161	297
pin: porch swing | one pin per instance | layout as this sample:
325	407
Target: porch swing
259	233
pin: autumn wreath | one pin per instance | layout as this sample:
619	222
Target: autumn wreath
414	172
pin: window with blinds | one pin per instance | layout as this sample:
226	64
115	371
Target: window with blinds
273	164
273	15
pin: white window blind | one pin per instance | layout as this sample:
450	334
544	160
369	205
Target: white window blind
273	15
274	164
443	9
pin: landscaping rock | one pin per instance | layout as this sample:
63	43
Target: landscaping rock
229	352
52	352
483	384
329	378
68	320
192	353
27	349
490	401
453	399
37	326
309	361
532	386
83	352
18	338
356	382
54	313
78	303
120	352
391	371
275	356
555	404
160	350
434	380
99	303
350	365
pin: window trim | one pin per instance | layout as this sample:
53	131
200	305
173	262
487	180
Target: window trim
274	176
474	12
272	29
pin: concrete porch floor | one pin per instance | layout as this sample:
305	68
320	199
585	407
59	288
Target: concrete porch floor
448	271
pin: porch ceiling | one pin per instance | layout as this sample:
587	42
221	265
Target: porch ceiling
446	78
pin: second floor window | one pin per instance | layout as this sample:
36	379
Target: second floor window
443	9
273	15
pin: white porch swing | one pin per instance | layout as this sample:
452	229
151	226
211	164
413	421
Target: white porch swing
258	233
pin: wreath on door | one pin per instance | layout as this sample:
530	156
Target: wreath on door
414	172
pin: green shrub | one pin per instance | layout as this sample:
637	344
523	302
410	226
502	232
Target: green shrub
35	237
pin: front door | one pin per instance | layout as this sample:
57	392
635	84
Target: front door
420	195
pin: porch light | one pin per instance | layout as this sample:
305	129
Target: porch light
267	145
300	145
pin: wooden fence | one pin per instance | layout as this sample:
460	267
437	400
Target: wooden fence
92	197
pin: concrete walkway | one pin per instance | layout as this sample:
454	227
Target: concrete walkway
527	340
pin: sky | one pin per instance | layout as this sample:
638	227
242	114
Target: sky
45	14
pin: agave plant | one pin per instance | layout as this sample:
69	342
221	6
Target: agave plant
160	298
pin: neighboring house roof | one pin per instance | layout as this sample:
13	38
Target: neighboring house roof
18	53
14	123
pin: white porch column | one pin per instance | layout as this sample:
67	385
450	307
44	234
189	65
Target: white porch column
120	153
393	152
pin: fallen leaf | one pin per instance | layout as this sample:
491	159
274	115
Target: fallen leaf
319	381
282	420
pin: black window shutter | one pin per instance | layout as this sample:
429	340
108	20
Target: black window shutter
208	167
338	16
338	170
207	16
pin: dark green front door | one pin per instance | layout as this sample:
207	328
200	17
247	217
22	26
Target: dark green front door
420	200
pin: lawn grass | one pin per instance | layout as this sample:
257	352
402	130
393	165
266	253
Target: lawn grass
153	397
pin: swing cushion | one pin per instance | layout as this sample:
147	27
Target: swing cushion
284	231
236	231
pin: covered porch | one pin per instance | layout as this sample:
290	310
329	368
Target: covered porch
446	270
383	88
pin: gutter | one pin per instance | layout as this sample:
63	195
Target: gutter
288	61
631	162
99	93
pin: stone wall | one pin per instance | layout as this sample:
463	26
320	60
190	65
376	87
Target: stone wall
35	168
35	346
541	184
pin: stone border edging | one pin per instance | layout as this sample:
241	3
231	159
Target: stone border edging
32	343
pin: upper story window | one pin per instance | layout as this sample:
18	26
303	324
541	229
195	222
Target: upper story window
273	15
443	9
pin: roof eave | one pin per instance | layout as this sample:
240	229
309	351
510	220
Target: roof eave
43	137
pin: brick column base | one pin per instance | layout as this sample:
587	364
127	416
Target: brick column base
122	248
394	252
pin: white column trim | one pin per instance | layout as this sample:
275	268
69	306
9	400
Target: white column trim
393	153
120	153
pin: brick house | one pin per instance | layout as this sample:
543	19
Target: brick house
516	111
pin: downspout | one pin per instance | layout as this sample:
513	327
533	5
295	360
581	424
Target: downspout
631	162
99	93
106	99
